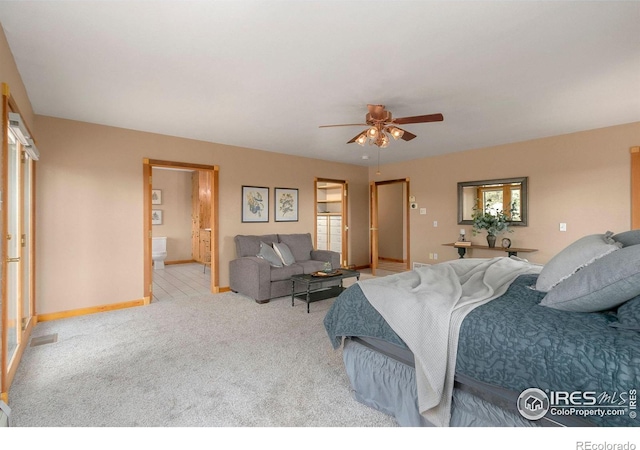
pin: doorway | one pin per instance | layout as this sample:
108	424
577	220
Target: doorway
389	212
207	253
331	225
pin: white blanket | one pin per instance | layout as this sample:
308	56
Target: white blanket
426	307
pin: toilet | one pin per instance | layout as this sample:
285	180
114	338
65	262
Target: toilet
159	252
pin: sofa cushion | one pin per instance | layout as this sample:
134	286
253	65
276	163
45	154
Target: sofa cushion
284	273
299	244
250	245
268	254
311	266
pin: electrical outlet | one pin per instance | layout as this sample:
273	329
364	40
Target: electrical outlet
423	211
435	256
563	226
430	255
435	223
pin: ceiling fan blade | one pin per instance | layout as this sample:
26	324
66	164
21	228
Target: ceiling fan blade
355	137
344	125
419	119
408	136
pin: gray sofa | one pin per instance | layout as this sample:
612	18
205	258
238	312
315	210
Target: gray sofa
256	278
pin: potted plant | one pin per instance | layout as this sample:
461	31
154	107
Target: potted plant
495	222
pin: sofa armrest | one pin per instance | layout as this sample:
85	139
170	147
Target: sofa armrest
250	276
326	255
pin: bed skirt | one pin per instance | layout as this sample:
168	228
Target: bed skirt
384	383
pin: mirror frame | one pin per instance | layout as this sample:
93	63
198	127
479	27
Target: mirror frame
524	207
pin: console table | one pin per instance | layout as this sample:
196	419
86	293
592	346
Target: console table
511	251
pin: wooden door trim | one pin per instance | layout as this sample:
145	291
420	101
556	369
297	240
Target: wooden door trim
635	187
373	212
345	215
147	166
373	228
9	367
4	375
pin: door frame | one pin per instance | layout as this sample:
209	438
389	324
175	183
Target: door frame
635	187
345	217
147	166
9	366
373	215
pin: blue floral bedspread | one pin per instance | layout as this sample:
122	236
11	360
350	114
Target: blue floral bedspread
515	343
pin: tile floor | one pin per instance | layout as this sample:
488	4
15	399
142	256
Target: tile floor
177	281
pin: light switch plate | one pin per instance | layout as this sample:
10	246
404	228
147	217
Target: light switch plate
563	226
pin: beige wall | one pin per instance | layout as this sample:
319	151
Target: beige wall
176	212
582	179
89	208
89	196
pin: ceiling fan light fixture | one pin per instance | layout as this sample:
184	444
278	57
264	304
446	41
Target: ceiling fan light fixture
383	142
362	139
396	133
372	132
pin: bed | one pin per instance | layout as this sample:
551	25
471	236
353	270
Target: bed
567	333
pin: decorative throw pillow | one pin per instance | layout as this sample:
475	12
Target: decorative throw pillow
628	238
577	255
628	315
284	253
268	254
605	284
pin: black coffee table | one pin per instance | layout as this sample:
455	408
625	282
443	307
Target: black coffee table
314	289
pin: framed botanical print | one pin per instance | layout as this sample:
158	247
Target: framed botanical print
286	205
255	204
156	217
156	196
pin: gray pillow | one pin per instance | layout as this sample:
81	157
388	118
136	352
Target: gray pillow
268	254
579	254
284	253
628	238
605	284
628	315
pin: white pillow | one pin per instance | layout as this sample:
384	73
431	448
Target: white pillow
284	253
579	254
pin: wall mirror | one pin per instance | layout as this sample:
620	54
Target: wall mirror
498	194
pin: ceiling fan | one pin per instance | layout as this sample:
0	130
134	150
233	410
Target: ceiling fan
382	125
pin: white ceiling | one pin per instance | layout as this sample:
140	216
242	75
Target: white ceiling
266	74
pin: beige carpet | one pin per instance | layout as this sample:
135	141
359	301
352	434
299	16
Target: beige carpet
210	361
